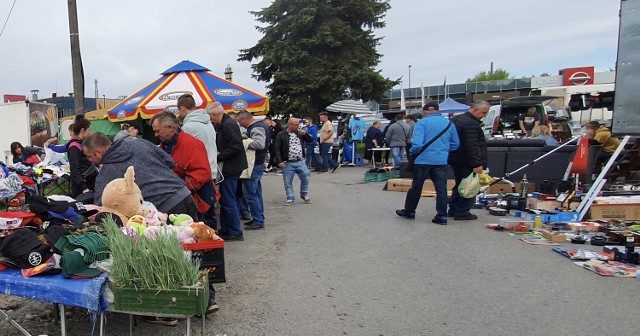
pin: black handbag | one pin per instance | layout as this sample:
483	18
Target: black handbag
412	158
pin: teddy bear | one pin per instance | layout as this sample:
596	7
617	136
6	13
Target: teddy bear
123	198
152	216
202	232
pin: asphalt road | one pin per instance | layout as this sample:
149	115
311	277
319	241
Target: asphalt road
347	265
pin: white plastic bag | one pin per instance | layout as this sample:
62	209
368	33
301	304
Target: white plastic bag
469	186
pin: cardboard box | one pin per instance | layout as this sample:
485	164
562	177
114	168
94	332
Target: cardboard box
403	185
534	203
554	237
615	211
506	188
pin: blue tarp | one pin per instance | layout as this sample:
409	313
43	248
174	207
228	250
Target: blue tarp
85	293
451	106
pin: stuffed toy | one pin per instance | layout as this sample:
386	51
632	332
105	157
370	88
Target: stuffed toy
203	232
152	232
180	220
152	216
138	223
123	198
185	234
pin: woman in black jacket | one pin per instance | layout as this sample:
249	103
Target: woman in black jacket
83	172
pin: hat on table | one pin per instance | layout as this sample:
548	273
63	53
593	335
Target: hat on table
73	265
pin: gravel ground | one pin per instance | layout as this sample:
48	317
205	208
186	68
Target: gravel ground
347	265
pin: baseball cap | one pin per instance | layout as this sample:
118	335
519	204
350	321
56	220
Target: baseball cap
40	205
24	248
73	265
431	105
53	232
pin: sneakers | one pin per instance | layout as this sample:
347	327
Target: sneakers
288	202
279	174
405	214
246	216
441	220
336	168
307	200
468	216
165	321
254	226
212	308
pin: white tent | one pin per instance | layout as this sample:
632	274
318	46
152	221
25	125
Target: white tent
349	106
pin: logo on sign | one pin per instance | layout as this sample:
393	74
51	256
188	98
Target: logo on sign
35	258
174	95
239	105
227	92
172	108
579	78
134	100
121	114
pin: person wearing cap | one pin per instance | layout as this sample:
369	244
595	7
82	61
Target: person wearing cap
470	157
187	152
431	161
154	176
130	129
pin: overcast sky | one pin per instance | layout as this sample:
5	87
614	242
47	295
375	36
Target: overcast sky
126	44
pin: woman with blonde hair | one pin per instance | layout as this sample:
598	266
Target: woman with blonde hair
544	132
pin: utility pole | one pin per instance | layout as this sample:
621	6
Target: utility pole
76	59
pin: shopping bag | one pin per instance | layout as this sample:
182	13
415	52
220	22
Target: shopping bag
469	186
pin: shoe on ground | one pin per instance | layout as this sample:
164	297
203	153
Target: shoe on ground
227	237
336	168
251	222
441	220
165	321
246	217
323	172
288	203
405	214
279	174
212	308
307	200
468	216
254	226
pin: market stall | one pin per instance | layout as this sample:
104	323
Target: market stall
187	78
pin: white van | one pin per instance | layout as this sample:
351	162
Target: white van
487	122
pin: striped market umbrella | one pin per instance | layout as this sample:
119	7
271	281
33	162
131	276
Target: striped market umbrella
349	106
187	77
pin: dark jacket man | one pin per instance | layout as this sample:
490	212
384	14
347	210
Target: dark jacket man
230	149
473	148
281	145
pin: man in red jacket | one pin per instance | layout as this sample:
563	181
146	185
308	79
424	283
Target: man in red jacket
188	153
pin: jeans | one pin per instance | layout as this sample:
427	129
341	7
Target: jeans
252	192
438	174
460	206
243	206
312	155
325	153
289	170
229	215
398	153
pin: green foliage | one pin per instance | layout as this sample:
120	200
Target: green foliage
544	74
484	76
312	52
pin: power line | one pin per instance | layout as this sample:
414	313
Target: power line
8	16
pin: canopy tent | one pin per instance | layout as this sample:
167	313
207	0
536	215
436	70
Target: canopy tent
99	123
451	106
191	78
350	107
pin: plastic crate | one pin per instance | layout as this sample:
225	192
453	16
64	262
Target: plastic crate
211	256
376	177
193	301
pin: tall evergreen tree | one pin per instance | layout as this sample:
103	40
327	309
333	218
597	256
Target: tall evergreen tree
313	52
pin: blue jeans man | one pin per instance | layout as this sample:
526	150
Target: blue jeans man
398	153
312	155
460	206
252	189
229	214
327	161
438	175
288	172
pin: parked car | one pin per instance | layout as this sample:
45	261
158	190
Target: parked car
505	116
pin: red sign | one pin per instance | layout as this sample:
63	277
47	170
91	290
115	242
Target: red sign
578	76
9	98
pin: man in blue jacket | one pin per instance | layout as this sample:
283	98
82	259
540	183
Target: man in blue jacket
432	162
310	147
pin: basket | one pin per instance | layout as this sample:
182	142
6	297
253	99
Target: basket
211	256
188	301
376	177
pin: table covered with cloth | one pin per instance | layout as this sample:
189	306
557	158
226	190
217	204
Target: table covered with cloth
84	293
